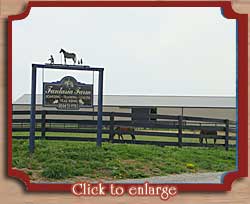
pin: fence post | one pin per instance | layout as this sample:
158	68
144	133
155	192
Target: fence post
226	133
180	131
111	127
43	124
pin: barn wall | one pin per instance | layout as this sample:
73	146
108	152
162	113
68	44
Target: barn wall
114	109
223	113
39	107
168	111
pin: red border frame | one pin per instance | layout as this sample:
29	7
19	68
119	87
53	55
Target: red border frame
242	88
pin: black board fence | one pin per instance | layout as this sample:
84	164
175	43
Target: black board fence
180	130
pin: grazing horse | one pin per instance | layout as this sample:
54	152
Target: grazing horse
121	129
68	55
204	132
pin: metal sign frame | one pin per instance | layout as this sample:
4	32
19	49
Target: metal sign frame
33	98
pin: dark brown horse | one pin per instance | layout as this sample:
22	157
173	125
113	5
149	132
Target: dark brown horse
205	132
120	131
68	55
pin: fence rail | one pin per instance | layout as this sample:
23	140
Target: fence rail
179	128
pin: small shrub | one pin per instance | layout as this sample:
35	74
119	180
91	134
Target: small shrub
20	162
138	174
190	166
57	171
33	164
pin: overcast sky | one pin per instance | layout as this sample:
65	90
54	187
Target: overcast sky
145	51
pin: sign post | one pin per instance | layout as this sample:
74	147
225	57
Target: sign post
33	111
82	97
100	102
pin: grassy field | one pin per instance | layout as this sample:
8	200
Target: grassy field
74	161
138	137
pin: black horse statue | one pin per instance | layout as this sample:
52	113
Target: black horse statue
68	55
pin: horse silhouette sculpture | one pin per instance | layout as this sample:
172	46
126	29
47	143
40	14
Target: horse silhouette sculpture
68	55
205	132
120	131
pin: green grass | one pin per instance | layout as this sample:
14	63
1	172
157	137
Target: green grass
127	137
60	160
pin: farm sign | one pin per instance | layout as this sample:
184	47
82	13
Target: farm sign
67	94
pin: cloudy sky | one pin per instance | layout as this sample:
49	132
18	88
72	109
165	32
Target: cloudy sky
145	51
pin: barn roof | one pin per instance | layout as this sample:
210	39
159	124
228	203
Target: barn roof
152	101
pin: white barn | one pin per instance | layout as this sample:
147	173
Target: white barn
200	106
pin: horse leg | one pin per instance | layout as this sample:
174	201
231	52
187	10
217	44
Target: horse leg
119	137
122	138
201	140
112	138
64	60
133	138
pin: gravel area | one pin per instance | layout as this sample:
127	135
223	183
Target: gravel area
178	178
212	177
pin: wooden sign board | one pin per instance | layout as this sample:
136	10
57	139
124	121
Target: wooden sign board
67	94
